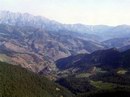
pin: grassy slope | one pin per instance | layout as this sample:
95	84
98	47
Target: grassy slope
18	82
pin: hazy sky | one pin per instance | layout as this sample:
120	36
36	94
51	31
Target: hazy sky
110	12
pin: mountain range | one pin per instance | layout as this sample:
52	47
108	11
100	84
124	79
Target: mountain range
36	42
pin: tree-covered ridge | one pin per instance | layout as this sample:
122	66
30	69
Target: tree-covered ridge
107	59
18	82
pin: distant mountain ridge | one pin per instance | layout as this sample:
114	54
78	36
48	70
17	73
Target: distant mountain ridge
117	42
96	31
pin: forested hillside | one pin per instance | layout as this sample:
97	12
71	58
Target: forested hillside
18	82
